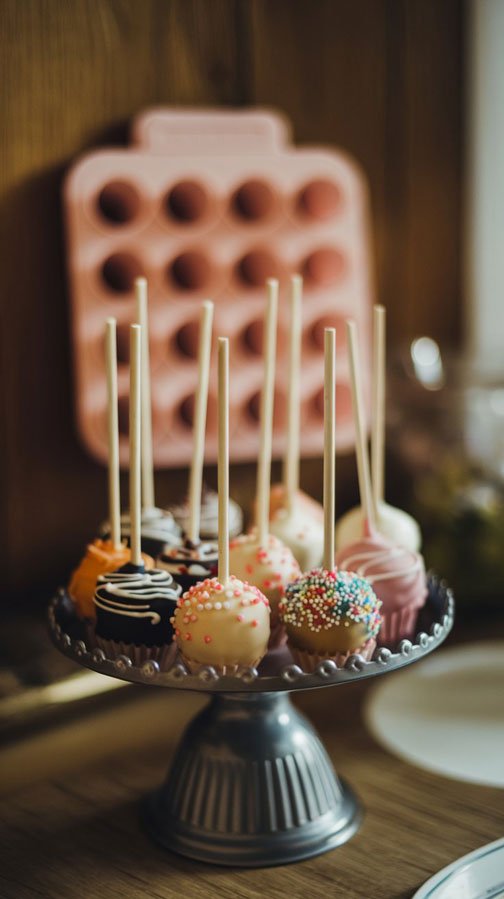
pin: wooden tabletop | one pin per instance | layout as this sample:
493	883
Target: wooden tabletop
77	835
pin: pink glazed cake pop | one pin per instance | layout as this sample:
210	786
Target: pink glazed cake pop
397	576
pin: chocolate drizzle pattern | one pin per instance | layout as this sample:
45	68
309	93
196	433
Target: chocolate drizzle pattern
190	563
136	607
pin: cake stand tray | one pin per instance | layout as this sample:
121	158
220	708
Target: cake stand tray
251	784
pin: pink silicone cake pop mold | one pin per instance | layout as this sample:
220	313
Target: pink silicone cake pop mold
216	226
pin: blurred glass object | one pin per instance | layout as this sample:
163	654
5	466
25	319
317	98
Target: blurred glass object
446	424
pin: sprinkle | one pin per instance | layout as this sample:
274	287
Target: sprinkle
207	638
200	607
188	637
239	617
194	618
249	568
226	605
254	623
218	606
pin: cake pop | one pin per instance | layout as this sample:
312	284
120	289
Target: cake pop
396	573
397	576
260	557
134	608
397	525
329	614
222	621
190	563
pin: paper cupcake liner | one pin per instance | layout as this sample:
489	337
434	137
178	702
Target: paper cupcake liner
398	625
222	670
163	655
309	661
278	636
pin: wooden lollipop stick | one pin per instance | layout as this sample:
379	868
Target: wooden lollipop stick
329	444
114	495
223	459
378	427
266	413
363	472
291	459
200	412
148	499
135	444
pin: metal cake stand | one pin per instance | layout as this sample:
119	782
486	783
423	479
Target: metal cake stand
251	784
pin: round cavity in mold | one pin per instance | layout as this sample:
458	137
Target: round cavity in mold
187	202
191	270
186	412
118	202
252	337
343	404
186	340
324	267
119	272
253	409
123	344
315	332
253	200
319	199
256	267
123	415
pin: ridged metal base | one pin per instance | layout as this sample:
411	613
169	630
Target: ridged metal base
251	785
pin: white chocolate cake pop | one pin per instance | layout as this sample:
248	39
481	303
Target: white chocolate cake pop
393	523
226	626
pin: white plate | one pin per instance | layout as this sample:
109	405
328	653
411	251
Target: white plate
479	875
446	714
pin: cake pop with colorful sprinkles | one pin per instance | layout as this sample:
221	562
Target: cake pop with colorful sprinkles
329	615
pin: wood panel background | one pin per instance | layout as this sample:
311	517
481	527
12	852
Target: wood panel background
380	78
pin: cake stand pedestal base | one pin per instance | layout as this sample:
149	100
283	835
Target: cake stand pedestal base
251	785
